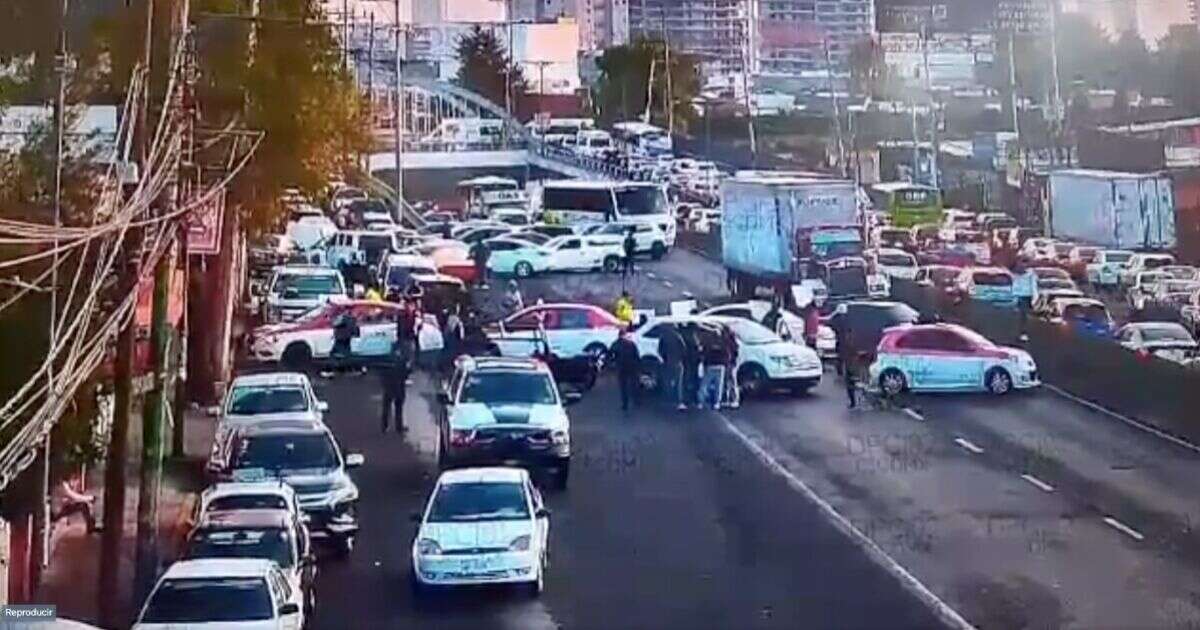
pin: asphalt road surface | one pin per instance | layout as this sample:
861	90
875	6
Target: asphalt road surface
1032	511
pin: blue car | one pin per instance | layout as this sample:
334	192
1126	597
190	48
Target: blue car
993	285
1084	316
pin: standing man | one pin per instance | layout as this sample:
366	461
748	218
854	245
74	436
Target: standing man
630	247
480	255
671	349
345	329
729	346
394	377
628	360
1025	289
513	301
453	335
848	355
693	355
623	309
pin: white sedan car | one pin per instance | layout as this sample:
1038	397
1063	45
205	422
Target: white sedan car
309	339
570	329
256	398
789	328
1166	340
895	263
764	360
482	526
565	253
227	593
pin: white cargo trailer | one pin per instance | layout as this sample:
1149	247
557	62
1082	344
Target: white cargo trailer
1112	209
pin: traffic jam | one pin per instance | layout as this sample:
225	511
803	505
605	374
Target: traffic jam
345	289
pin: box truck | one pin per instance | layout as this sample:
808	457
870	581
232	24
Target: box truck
781	229
1112	209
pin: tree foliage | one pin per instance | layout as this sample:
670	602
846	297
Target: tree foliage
868	72
625	74
486	68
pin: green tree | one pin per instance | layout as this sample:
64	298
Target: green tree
625	74
486	69
1176	67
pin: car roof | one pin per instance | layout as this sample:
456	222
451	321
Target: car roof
259	517
946	326
269	379
307	270
1080	301
241	488
290	426
492	474
497	364
1144	325
437	277
892	251
219	568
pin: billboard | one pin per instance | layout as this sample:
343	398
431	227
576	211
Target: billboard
204	225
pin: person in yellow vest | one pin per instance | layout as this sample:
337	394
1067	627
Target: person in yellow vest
623	309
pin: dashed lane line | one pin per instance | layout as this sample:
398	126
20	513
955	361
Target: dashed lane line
967	444
952	618
1038	483
1124	529
667	283
914	414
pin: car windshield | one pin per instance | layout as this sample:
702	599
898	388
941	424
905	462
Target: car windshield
1086	312
286	452
751	334
266	543
838	249
1117	257
642	201
307	286
1166	333
456	502
1055	283
1154	263
992	279
209	600
896	260
1086	254
499	388
249	400
248	502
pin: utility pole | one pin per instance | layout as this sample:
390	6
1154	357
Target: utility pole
933	121
669	105
346	36
746	43
837	109
1012	82
398	112
916	140
1055	95
371	67
115	467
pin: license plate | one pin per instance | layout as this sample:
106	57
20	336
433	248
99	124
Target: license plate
475	565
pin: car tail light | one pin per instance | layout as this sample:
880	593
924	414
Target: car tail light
461	438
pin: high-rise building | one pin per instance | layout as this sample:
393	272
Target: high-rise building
602	23
774	38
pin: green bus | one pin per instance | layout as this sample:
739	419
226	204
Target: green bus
906	203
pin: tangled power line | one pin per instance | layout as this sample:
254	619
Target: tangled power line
82	330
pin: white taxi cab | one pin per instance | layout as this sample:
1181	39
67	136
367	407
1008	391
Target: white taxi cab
570	329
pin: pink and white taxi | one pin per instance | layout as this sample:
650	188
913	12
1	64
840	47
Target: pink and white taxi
948	357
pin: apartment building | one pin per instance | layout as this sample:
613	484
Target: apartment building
602	23
773	38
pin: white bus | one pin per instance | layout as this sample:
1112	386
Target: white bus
559	130
641	138
574	202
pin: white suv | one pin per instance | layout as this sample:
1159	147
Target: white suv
647	237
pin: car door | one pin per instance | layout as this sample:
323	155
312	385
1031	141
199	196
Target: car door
961	364
541	524
285	594
569	255
376	330
926	360
520	332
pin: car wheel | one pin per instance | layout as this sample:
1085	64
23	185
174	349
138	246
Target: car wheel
752	378
998	381
612	264
658	251
523	269
297	356
892	382
344	545
598	354
649	378
561	476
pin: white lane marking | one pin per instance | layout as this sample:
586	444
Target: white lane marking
650	274
1130	421
1123	528
912	413
967	444
667	283
1041	485
948	615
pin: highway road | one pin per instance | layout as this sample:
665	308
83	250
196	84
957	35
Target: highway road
1031	511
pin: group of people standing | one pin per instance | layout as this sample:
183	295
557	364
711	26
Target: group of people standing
697	370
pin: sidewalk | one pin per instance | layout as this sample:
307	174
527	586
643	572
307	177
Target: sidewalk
70	580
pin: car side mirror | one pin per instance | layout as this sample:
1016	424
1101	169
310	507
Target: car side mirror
322	406
213	411
289	608
570	398
542	513
354	460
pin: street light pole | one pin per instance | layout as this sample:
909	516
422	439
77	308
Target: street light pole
398	112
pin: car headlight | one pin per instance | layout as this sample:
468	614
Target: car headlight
428	547
520	543
560	437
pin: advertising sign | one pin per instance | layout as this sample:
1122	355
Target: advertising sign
204	226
